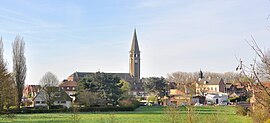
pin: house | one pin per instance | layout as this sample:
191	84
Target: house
29	92
198	99
240	88
70	87
216	98
177	97
58	97
210	85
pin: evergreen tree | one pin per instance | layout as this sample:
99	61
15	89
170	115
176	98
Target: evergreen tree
105	85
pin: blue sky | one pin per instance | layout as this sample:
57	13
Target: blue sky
64	36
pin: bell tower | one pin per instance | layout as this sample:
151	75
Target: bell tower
134	59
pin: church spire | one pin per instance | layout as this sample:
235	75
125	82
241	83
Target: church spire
201	74
134	59
134	45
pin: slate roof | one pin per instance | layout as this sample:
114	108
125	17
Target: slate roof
135	45
78	75
211	81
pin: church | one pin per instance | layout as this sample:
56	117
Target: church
133	77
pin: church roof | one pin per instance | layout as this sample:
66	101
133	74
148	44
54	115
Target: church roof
210	81
124	76
135	45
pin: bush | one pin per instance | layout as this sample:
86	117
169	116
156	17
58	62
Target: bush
240	110
33	111
125	103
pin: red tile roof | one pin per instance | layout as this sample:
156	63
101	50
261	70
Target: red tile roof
68	84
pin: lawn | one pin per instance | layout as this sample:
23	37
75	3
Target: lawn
205	114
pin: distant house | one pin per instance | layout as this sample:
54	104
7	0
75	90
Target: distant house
177	97
240	88
218	98
210	85
198	99
31	91
70	87
59	97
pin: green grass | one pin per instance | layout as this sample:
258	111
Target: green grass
203	114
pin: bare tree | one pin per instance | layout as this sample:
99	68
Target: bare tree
48	83
49	80
184	80
19	67
257	73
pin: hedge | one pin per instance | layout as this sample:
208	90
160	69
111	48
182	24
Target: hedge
83	109
107	109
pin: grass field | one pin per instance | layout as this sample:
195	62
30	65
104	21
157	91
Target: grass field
205	114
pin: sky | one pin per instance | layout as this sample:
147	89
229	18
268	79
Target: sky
64	36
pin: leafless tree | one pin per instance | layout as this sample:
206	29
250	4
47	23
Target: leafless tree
19	67
257	73
48	83
49	80
184	81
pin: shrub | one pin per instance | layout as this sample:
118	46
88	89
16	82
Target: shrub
260	114
240	110
125	103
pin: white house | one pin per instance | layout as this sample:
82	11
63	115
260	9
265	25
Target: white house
216	98
60	97
210	85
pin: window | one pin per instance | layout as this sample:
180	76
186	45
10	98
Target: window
211	88
73	88
37	102
42	102
64	102
215	88
67	88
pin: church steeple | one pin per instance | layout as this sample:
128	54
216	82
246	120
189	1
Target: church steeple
135	46
134	59
201	74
